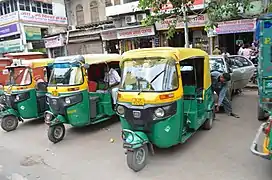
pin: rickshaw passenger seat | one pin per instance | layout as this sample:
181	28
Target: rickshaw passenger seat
92	86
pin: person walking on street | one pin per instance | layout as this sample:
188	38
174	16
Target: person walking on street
216	51
219	85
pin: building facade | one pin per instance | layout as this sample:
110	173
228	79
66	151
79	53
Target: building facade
127	33
24	23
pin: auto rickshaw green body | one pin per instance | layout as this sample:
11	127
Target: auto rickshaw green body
74	103
163	117
23	101
264	35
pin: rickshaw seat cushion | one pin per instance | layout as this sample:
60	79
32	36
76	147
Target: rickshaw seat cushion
92	86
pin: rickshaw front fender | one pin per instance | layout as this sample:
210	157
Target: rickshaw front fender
254	145
134	139
8	112
57	120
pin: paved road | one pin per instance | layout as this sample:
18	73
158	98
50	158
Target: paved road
222	153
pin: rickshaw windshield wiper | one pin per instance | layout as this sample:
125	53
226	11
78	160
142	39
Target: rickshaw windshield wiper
158	75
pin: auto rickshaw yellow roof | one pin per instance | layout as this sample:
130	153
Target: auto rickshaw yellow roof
35	63
177	53
101	58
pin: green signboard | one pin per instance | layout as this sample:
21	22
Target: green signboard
11	46
33	33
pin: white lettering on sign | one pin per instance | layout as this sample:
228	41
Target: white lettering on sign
135	32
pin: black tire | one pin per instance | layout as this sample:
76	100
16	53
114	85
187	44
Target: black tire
56	133
137	164
209	122
261	114
9	123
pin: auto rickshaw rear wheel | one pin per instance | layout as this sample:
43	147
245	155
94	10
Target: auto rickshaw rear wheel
262	115
56	133
209	122
137	159
9	123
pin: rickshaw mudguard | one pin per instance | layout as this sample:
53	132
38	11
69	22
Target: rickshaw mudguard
254	145
134	139
58	120
9	112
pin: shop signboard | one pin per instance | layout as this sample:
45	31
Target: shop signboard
9	18
11	46
9	30
135	32
237	26
108	35
55	41
34	17
33	33
168	7
194	21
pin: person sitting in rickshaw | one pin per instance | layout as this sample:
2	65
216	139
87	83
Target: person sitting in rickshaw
112	77
219	85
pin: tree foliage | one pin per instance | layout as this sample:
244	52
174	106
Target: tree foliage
216	10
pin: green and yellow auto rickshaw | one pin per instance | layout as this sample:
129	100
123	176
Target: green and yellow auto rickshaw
164	97
264	36
78	93
24	92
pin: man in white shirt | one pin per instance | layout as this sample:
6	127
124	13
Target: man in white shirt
112	77
246	52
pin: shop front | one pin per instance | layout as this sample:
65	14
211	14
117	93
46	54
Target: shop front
10	38
197	36
34	40
232	33
110	41
55	46
128	38
85	41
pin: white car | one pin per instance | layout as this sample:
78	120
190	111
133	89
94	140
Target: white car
240	68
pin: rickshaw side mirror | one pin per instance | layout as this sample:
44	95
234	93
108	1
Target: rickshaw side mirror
86	66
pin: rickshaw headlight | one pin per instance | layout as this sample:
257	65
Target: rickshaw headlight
120	110
159	112
67	100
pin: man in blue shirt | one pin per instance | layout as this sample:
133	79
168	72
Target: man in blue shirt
219	85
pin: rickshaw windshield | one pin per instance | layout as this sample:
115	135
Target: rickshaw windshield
149	75
19	76
66	74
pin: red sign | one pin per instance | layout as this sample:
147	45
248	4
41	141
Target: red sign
237	26
195	5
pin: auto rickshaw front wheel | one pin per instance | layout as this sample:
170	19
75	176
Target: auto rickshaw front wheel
56	133
137	159
9	123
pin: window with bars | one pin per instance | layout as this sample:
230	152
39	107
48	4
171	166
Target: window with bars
36	7
24	5
80	14
47	8
8	6
94	11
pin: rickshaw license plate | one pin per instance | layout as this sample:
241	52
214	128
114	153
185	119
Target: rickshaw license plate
138	101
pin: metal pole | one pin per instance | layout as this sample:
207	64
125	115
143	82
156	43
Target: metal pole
186	30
